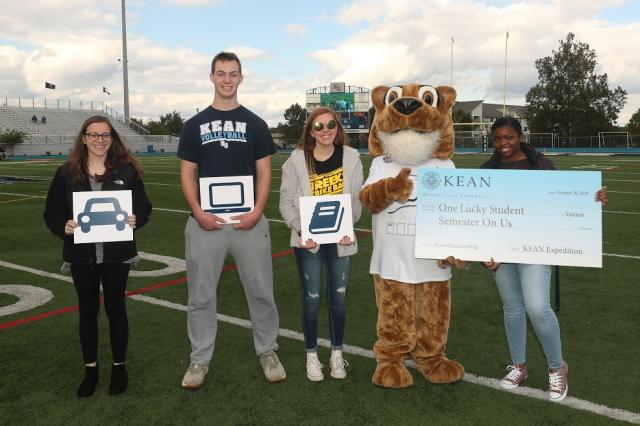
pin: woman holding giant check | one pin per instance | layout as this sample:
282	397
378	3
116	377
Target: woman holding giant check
525	289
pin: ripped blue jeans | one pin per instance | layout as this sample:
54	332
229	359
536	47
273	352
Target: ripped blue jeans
310	269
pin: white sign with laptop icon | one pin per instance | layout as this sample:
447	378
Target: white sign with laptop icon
227	196
326	219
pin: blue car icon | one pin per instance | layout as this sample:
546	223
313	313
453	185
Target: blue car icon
109	213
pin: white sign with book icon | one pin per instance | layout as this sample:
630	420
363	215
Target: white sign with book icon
102	216
326	219
227	196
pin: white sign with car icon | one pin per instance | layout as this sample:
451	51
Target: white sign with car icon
102	216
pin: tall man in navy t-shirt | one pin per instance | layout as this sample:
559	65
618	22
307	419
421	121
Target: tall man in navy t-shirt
226	139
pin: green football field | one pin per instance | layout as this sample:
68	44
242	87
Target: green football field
41	364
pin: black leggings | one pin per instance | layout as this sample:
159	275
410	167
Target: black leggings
86	279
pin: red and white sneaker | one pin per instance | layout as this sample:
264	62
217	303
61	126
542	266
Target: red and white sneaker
516	375
558	386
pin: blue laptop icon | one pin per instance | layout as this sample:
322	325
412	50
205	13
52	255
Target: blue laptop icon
227	197
326	218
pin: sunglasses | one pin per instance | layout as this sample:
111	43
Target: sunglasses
317	126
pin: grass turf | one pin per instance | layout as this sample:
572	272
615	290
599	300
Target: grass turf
42	363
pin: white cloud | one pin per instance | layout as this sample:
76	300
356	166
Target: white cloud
79	43
403	40
295	29
246	52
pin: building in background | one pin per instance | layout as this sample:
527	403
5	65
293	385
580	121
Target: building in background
488	113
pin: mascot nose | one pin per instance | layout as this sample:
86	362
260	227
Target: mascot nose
407	105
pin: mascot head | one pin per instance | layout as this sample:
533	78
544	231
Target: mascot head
412	123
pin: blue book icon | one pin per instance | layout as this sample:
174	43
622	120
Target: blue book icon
326	218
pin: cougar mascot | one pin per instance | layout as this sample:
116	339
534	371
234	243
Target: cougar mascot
412	128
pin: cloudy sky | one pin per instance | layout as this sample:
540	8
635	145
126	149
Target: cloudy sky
288	46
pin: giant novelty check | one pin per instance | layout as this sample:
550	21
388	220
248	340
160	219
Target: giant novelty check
520	216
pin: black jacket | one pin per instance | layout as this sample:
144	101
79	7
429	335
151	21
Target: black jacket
539	161
59	209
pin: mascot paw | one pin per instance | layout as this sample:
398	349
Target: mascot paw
443	263
399	188
392	375
380	195
440	369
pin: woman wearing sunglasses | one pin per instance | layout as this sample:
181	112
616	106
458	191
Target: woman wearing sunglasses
322	164
99	161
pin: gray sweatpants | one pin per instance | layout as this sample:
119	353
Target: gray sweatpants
205	255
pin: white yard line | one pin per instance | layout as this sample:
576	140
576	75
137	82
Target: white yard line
617	212
270	220
572	402
22	195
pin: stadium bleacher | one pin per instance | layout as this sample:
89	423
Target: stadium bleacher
56	137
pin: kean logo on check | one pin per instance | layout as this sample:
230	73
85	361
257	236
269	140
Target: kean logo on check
327	217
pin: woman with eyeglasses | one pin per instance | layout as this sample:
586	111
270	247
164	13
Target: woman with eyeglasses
322	164
99	161
525	289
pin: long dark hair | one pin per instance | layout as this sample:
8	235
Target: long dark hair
117	155
307	142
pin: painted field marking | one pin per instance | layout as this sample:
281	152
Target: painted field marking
572	402
594	166
368	231
14	200
22	195
29	297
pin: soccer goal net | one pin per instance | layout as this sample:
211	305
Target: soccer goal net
614	140
472	135
540	140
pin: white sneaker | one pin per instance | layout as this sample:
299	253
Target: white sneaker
338	365
194	377
272	367
314	367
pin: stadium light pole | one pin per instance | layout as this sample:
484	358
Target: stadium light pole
125	74
504	86
451	65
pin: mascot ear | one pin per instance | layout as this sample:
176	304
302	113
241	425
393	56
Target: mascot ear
448	96
377	97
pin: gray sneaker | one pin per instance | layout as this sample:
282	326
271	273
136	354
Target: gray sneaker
194	377
272	368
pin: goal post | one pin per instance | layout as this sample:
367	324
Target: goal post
540	139
472	135
614	139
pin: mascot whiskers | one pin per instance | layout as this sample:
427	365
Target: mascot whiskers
412	128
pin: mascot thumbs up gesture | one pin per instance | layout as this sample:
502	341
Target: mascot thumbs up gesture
412	128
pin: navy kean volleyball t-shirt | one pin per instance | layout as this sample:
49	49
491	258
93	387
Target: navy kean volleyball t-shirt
225	143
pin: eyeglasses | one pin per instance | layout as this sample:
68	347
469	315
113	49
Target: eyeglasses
93	136
317	126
